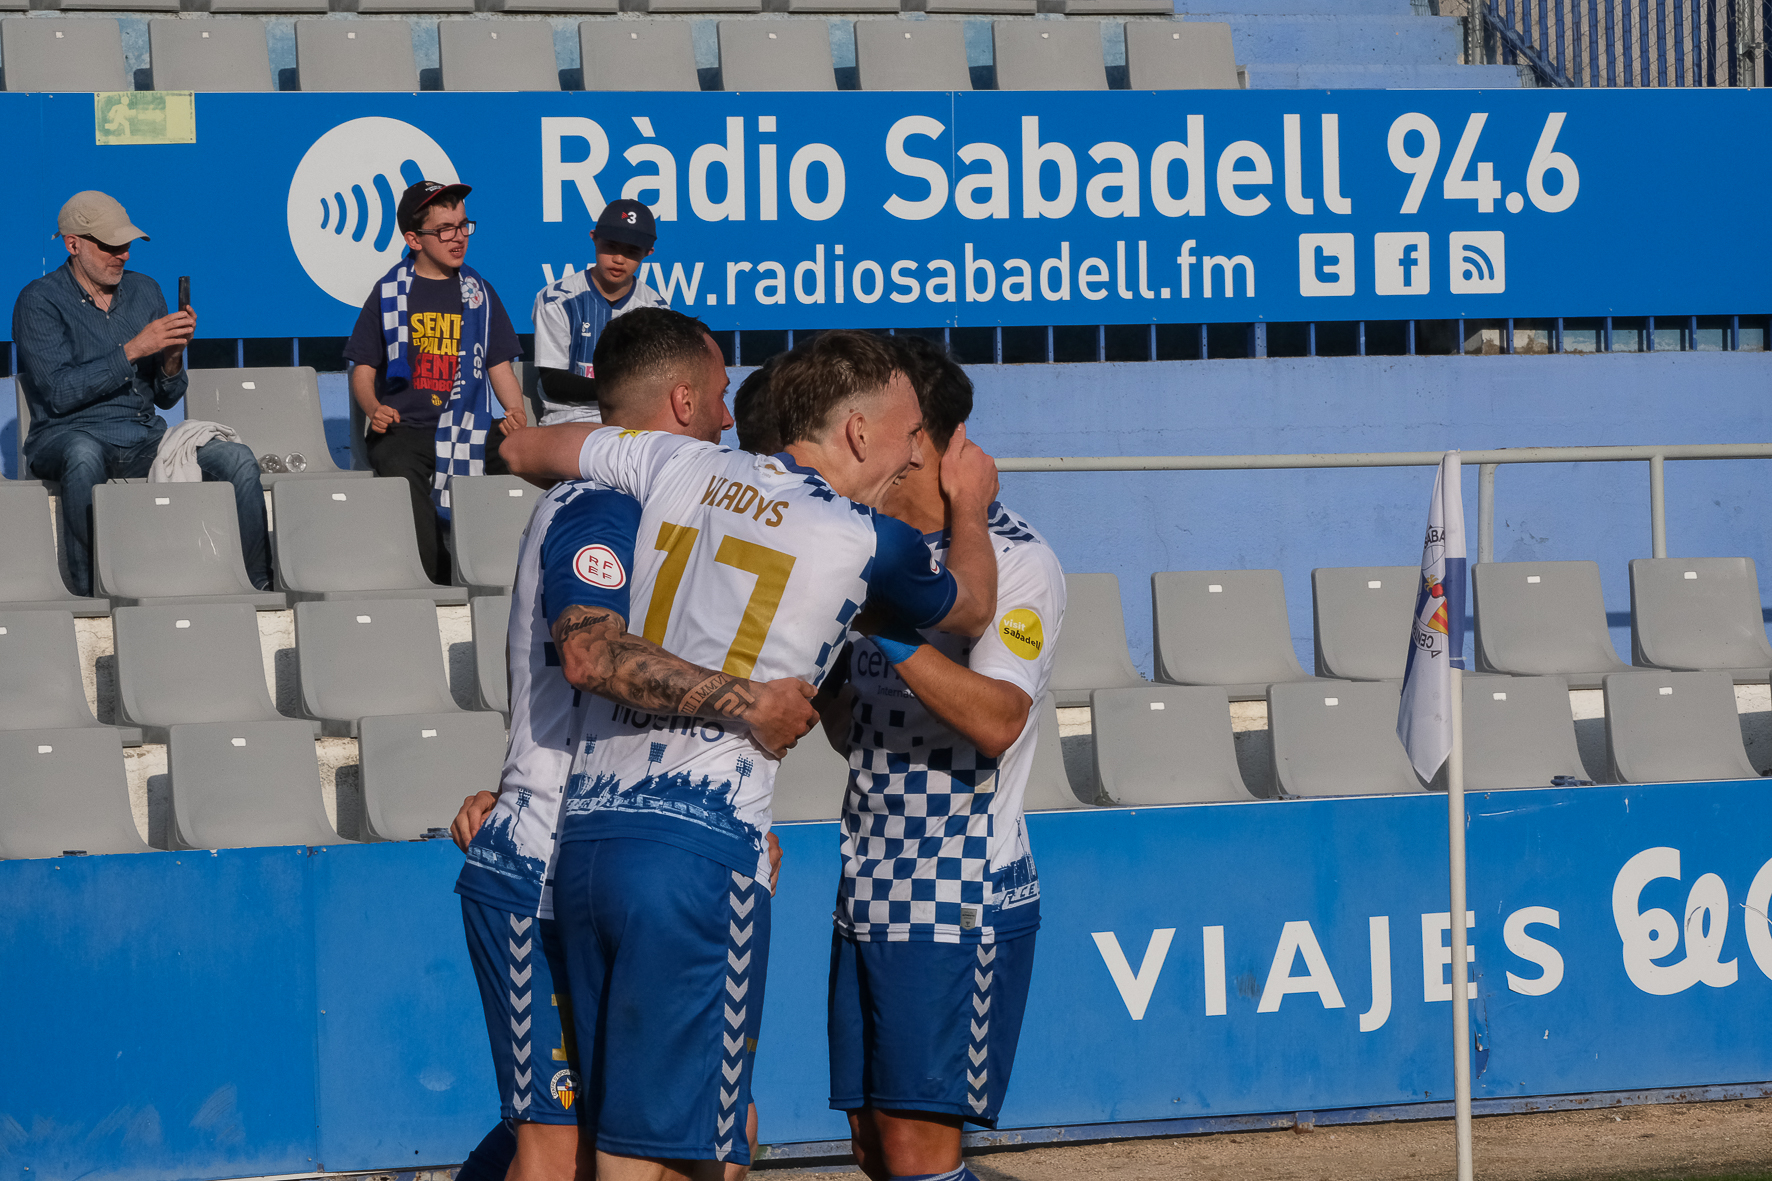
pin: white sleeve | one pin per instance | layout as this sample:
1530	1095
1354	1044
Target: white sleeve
630	461
1030	611
551	332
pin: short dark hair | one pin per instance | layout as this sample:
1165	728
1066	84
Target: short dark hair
815	378
416	222
943	389
655	343
753	411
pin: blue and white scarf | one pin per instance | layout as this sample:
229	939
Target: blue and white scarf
461	431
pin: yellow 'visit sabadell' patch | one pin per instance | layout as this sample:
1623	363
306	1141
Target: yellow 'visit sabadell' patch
1022	633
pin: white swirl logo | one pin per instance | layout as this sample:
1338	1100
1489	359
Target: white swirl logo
343	197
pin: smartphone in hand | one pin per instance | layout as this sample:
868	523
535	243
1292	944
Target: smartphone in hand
184	292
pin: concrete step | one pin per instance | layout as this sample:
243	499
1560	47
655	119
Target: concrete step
1349	40
1313	76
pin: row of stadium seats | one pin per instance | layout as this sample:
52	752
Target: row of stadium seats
231	54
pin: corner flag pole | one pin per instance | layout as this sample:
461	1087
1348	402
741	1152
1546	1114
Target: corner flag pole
1461	1006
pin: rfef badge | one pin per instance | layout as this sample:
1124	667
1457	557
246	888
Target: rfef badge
1022	633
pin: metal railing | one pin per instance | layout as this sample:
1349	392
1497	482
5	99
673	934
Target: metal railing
1485	461
1622	42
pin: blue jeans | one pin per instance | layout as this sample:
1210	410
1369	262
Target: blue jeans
78	461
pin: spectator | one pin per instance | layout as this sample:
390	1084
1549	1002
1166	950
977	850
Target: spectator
571	313
429	418
98	353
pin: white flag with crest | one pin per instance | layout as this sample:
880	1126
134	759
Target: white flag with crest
1436	642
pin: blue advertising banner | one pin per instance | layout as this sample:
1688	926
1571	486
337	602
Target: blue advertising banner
269	1011
876	210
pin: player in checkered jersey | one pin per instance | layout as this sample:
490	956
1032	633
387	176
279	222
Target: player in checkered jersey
938	901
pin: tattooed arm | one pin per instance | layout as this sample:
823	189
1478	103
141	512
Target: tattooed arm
599	655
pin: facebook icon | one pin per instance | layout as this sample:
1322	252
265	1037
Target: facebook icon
1400	264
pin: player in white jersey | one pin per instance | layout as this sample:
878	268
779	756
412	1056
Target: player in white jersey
755	566
938	900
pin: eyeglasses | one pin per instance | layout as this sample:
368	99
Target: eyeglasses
448	233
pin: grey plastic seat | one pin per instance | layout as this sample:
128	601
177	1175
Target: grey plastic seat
911	55
40	681
119	6
1049	788
776	55
278	7
1165	744
811	782
838	7
1699	613
1223	627
172	543
489	514
351	539
383	7
980	7
276	411
701	6
558	7
51	54
1087	8
1173	55
241	785
30	576
490	616
64	791
380	656
204	54
1363	616
417	769
190	664
638	55
1092	651
1049	55
1338	738
356	55
1673	727
1518	732
497	55
1542	618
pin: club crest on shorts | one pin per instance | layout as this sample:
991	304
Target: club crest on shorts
564	1088
598	565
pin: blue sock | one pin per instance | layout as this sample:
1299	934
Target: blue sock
492	1159
960	1174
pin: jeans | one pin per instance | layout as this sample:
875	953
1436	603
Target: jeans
78	461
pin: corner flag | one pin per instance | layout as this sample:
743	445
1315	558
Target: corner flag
1436	644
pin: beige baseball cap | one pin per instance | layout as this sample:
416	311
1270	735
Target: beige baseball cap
92	214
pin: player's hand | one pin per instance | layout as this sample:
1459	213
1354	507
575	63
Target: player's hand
514	420
774	862
782	714
968	475
472	815
383	418
165	336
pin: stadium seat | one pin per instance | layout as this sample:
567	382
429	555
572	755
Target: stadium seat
64	791
1088	8
979	7
30	577
1049	788
417	768
811	781
1173	55
204	54
269	7
385	7
369	657
119	6
351	539
1092	647
776	55
670	7
1542	619
856	7
1165	744
43	53
1672	727
40	679
15	5
276	412
637	55
1338	738
241	785
1363	616
334	55
497	55
1049	55
1518	732
911	55
558	7
1699	613
171	543
1223	627
490	616
191	664
489	514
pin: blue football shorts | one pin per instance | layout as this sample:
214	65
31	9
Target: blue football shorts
923	1026
667	952
517	962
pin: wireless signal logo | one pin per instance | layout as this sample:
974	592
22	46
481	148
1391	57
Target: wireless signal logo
343	196
1479	262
